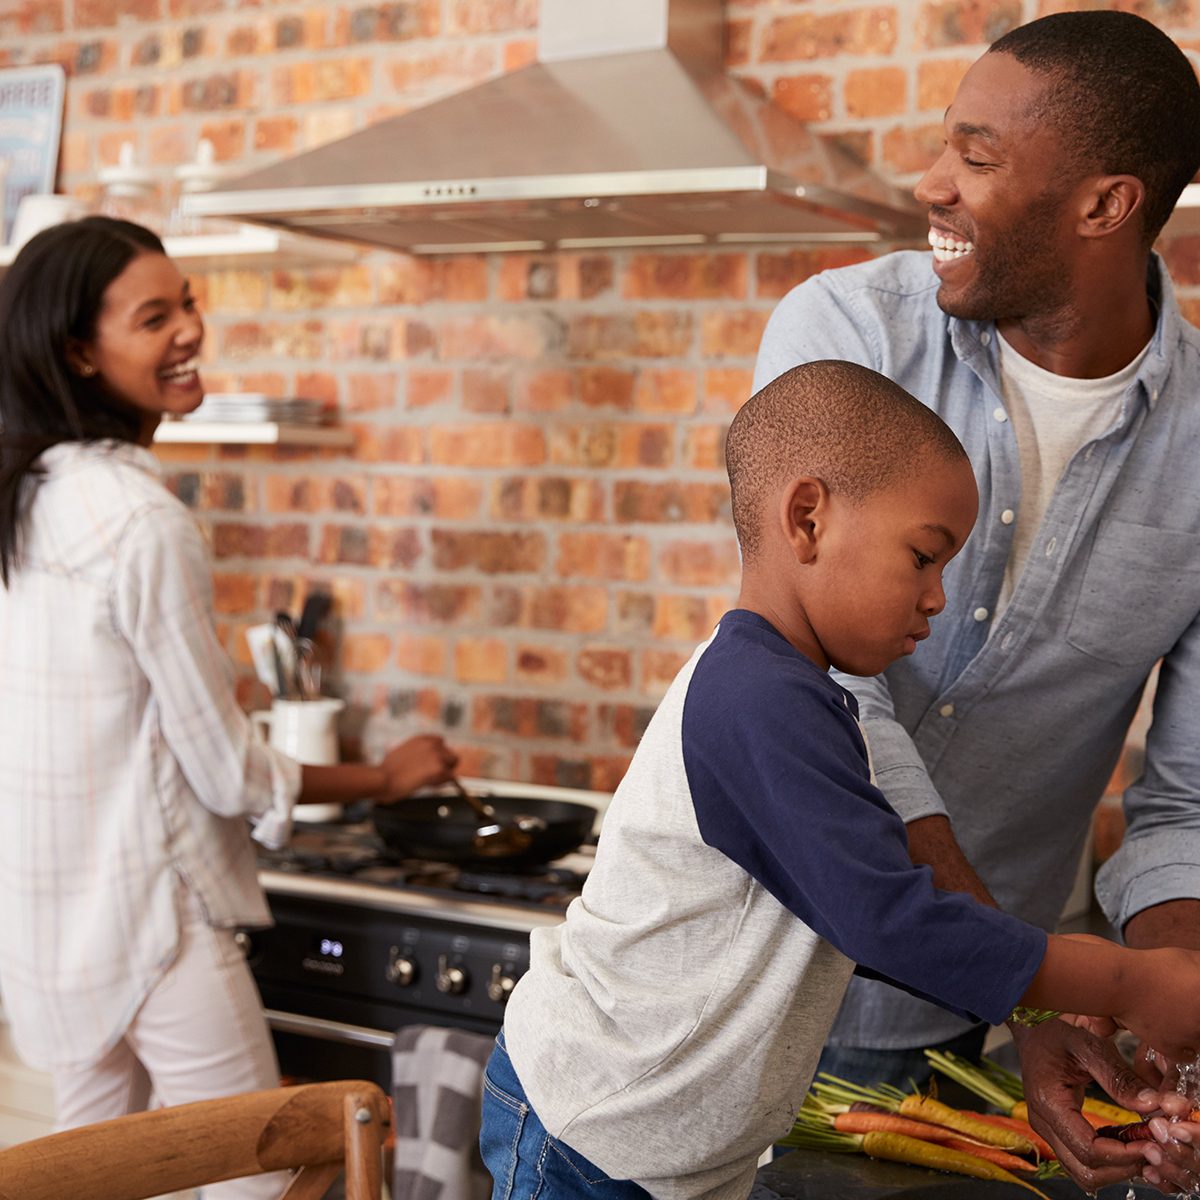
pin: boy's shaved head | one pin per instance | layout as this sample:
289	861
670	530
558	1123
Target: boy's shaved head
844	424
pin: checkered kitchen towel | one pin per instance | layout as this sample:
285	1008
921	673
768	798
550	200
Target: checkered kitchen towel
437	1088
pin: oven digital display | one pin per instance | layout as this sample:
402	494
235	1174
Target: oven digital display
329	947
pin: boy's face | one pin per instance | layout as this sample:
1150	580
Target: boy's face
881	563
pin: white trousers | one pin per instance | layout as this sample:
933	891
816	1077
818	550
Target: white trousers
200	1034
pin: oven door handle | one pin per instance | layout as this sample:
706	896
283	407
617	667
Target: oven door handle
329	1031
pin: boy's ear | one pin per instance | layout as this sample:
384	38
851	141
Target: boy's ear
801	513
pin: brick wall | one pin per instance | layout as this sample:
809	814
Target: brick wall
533	529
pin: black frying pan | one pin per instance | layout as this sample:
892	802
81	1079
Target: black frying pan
443	828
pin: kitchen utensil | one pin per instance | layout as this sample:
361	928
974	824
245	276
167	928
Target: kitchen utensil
316	609
305	730
493	840
443	827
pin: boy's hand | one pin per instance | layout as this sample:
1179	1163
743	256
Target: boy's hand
422	761
1058	1061
1162	1007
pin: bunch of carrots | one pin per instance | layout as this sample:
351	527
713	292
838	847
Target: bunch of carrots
918	1129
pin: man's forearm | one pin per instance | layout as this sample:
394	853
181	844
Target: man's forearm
1175	923
931	843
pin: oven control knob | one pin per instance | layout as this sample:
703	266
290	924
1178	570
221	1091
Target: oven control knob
500	984
244	942
402	971
450	979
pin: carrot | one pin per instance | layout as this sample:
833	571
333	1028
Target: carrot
895	1147
924	1108
1044	1149
1136	1131
1111	1114
863	1122
992	1154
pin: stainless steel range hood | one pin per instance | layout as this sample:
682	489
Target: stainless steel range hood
625	132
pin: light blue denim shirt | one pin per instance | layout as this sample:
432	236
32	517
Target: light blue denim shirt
1013	726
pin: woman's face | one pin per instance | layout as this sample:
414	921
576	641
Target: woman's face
148	335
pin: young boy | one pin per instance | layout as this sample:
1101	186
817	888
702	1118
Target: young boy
666	1032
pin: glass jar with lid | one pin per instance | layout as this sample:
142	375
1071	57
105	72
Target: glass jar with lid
201	175
131	191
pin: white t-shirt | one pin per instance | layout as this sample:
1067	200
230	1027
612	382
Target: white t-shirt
1052	417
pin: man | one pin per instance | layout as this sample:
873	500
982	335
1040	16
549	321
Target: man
1046	334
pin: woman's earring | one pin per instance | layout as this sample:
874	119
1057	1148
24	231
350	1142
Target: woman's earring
87	369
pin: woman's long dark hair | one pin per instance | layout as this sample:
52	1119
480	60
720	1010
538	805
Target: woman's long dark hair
51	297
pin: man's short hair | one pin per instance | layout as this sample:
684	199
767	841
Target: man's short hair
843	423
1123	97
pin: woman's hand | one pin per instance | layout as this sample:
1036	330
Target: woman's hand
422	761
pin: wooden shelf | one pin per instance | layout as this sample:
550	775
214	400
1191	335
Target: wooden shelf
251	433
251	246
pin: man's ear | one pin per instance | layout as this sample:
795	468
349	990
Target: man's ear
802	506
1111	202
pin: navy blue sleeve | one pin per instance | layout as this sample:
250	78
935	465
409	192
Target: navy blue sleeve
778	773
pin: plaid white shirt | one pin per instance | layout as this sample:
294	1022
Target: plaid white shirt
125	761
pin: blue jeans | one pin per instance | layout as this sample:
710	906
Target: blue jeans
525	1162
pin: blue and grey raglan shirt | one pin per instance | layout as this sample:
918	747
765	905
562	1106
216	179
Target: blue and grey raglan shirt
668	1029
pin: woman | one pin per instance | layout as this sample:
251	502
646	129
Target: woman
127	769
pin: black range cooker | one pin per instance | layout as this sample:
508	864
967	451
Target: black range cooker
365	942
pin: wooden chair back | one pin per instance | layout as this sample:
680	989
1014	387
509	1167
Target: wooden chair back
316	1127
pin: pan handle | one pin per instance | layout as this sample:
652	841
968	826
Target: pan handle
329	1031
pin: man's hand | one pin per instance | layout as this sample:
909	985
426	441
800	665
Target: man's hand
1058	1061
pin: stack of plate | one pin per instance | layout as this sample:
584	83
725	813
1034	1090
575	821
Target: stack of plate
252	407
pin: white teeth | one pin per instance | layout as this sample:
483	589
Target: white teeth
178	372
947	248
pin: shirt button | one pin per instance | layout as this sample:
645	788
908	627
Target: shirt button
1007	517
1051	546
1154	396
985	338
999	414
981	614
947	710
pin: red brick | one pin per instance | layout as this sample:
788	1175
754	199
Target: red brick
314	494
704	447
566	609
733	334
274	339
492	553
908	149
454	67
23	18
607	387
685	277
275	133
670	502
805	97
357	545
346	287
615	556
472	339
546	498
877	92
777	273
480	660
807	36
601	774
491	16
88	14
486	390
966	22
711	563
576	444
496	445
228	137
739	40
365	652
399	444
545	390
539	664
393	22
234	593
726	389
663	390
421	654
429	603
519	54
318	385
659	668
260	541
645	334
447	499
687	618
609	669
938	80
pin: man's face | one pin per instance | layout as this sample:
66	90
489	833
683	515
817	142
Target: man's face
999	198
882	562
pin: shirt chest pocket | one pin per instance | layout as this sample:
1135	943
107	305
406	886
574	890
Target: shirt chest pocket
1139	591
